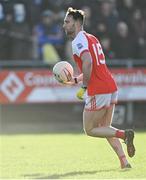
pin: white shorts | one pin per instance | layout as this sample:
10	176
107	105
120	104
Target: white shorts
99	101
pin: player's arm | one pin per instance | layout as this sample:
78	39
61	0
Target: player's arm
75	80
78	78
86	69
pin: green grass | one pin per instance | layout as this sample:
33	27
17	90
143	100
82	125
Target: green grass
66	156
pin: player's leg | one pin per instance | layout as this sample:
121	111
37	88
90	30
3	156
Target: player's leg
117	147
93	127
94	113
126	135
115	142
92	121
97	124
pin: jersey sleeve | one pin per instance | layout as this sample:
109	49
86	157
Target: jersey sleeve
80	45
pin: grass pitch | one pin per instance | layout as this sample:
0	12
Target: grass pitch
66	156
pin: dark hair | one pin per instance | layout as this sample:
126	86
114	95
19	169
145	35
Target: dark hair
76	14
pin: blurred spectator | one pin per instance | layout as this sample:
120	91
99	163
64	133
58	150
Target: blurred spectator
1	12
123	44
88	21
125	9
100	30
6	22
49	37
107	47
27	33
21	35
140	4
58	19
68	51
34	9
108	18
138	24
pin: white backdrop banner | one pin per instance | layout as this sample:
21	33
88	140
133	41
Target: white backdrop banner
39	86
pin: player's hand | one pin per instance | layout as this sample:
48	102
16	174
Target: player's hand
71	82
81	92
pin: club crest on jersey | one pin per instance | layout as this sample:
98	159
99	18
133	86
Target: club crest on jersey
79	45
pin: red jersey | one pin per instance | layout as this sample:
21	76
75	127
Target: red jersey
101	80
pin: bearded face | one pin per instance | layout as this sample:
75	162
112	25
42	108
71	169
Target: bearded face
69	26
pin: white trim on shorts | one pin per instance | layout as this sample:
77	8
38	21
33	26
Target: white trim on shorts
99	101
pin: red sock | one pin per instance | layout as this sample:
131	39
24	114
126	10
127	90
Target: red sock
120	134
